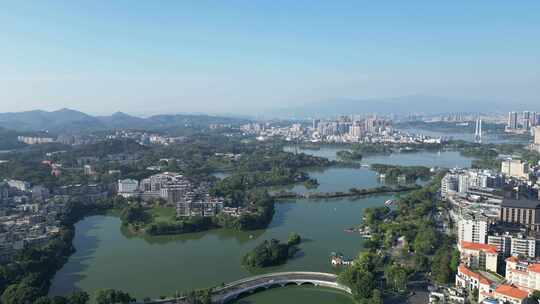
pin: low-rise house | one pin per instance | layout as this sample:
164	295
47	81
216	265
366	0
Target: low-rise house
471	280
510	294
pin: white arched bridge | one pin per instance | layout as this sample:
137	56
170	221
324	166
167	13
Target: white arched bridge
233	290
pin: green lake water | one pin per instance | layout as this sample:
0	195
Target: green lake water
108	257
445	159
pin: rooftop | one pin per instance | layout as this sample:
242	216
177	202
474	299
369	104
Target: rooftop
522	203
478	247
466	271
511	291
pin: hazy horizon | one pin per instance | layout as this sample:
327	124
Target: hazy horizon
145	58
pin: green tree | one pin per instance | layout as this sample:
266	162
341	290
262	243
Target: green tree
376	297
112	296
440	267
79	297
359	280
294	239
455	260
425	241
19	294
534	297
396	278
421	262
43	300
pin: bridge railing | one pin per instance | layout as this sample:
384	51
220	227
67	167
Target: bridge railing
273	275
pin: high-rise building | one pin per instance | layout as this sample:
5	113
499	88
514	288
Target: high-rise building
473	228
356	130
535	119
503	242
526	122
523	246
512	120
514	168
449	184
524	212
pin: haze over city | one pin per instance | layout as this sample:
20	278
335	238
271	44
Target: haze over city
262	152
248	57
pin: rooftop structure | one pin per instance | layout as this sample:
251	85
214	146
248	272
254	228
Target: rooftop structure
479	256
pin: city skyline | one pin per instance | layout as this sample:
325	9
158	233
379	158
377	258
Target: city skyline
188	57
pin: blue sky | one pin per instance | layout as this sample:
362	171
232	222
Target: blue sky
147	57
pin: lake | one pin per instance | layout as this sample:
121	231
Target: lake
486	138
109	257
445	159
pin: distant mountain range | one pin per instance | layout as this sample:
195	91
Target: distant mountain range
401	105
67	120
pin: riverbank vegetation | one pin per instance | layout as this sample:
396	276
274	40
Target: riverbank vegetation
349	155
272	253
27	278
353	192
392	173
404	242
488	156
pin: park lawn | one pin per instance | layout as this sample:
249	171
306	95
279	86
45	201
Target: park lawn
163	214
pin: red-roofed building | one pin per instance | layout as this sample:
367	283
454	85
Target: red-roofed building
481	256
511	294
523	274
471	280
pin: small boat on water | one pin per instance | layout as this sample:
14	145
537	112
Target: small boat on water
389	203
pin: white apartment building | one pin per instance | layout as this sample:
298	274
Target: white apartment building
127	187
472	228
514	244
449	184
463	180
19	185
522	246
523	274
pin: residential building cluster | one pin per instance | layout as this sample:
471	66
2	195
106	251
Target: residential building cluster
522	123
29	216
189	198
497	218
342	130
32	140
145	138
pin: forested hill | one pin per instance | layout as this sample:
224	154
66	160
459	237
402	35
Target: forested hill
75	121
8	140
